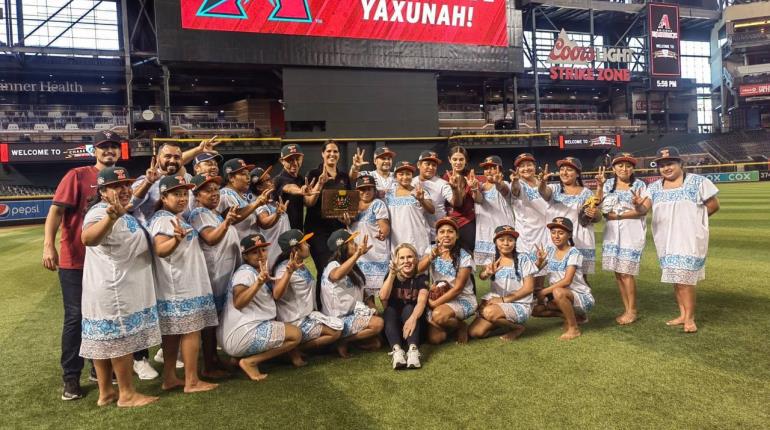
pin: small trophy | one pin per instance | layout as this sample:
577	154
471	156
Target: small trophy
335	203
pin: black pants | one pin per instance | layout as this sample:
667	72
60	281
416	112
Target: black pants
71	281
320	254
468	237
394	324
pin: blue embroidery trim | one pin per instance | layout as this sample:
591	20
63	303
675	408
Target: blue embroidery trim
184	307
392	201
484	247
373	267
559	265
532	193
626	254
686	262
115	328
689	190
570	200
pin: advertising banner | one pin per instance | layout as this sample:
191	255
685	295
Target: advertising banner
663	23
465	22
575	62
19	210
600	141
752	176
754	90
764	176
47	152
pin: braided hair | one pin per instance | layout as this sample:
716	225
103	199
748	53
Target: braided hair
515	262
631	182
356	275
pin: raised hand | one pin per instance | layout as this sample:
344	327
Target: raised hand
115	209
364	246
281	207
544	174
492	268
393	267
231	217
455	180
295	262
264	196
514	175
152	174
358	159
497	178
179	231
435	252
540	254
309	188
208	145
323	179
264	273
473	182
600	177
419	191
636	198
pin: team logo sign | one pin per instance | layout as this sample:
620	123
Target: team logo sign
283	10
4	210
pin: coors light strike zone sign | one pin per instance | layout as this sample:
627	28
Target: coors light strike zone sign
568	54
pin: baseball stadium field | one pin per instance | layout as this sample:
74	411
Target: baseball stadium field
645	375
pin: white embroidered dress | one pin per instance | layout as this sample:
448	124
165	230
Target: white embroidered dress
493	211
118	306
624	239
529	209
229	198
271	234
465	304
407	222
374	264
568	206
507	282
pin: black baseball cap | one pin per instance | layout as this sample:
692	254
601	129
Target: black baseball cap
259	174
290	150
364	181
169	183
113	175
206	156
200	180
562	223
339	238
383	151
291	238
668	153
253	241
430	156
106	136
506	230
235	165
524	156
571	162
404	165
492	160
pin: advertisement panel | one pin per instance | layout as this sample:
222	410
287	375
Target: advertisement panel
663	23
752	176
566	53
47	152
754	90
458	22
578	142
20	210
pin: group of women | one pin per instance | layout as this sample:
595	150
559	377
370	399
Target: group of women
234	268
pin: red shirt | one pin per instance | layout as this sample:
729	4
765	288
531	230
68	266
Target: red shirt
72	194
466	213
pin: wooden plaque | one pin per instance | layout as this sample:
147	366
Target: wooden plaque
334	203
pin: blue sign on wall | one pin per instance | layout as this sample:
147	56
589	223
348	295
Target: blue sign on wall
18	210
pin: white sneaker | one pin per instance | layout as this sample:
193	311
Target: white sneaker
399	359
159	358
144	370
413	358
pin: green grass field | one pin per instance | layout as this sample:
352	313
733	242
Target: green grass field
646	375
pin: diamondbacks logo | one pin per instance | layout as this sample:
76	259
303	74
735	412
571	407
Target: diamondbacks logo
283	10
664	23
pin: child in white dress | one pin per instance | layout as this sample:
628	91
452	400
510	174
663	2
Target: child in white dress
407	205
373	220
492	207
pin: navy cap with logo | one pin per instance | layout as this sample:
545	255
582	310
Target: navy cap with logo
253	241
339	238
668	153
562	223
259	174
200	180
170	183
206	156
383	151
290	150
106	136
404	165
364	181
291	238
235	165
113	175
524	156
570	162
492	160
429	156
504	230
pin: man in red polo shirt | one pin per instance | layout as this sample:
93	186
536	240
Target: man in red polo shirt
68	209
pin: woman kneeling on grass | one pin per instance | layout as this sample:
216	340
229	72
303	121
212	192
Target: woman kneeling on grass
568	294
509	304
342	293
119	313
249	329
449	263
404	294
185	301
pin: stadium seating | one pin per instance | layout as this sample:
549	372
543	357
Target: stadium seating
25	190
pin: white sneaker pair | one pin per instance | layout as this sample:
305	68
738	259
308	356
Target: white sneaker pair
144	370
159	359
410	359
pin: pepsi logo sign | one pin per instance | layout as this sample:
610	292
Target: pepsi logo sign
4	210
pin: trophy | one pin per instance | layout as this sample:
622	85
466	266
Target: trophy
336	203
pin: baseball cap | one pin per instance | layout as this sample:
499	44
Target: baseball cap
571	162
290	150
168	183
364	181
259	174
235	165
506	230
524	156
562	223
624	156
404	165
492	160
429	155
206	156
291	238
253	241
339	238
200	180
106	136
113	175
668	153
383	151
446	220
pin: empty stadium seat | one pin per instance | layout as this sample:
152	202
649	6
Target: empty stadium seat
71	127
13	127
101	126
40	127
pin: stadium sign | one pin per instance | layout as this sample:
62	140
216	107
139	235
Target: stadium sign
568	53
20	210
465	22
752	176
47	152
754	90
664	35
600	141
41	87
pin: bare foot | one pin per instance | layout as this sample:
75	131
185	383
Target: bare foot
252	371
690	327
570	334
107	398
514	333
676	321
215	373
171	383
342	350
626	318
199	386
462	333
296	359
136	400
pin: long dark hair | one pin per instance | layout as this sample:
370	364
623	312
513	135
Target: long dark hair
515	261
281	258
631	181
356	275
579	181
323	148
95	199
459	149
